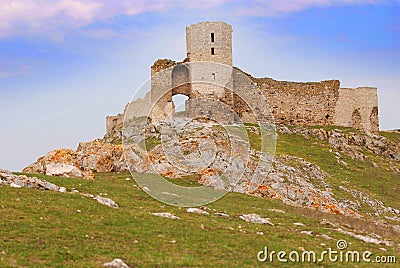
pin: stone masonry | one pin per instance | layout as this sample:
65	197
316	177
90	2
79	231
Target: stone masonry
291	103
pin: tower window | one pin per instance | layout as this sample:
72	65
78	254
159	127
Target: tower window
213	76
212	51
212	37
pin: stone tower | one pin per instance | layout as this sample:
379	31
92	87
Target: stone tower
209	52
209	41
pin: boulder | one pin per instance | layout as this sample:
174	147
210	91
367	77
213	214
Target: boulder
61	169
20	181
255	218
116	263
102	157
61	162
90	156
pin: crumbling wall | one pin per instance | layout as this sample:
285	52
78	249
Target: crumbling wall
358	108
295	103
291	103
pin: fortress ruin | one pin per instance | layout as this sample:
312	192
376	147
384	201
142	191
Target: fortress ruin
322	103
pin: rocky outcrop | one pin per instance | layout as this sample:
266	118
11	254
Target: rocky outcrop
60	162
350	143
291	179
91	156
299	183
208	150
20	181
101	157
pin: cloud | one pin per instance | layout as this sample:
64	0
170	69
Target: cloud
279	7
31	18
55	19
10	70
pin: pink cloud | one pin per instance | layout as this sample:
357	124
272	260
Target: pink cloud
9	70
55	18
279	7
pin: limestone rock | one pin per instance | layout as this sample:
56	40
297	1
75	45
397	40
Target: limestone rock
60	162
255	218
116	263
20	181
106	201
222	214
101	157
197	211
95	155
165	215
373	238
61	169
350	143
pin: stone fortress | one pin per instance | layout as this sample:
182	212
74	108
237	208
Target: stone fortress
207	72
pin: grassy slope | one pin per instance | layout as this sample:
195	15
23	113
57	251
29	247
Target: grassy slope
45	229
381	183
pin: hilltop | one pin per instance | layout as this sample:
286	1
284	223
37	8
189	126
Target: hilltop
359	172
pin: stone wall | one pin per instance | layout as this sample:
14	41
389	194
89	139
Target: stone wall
321	103
291	103
358	108
199	43
294	103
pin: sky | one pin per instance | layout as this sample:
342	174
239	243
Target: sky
67	64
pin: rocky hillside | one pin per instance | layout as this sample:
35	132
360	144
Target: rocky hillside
324	184
334	170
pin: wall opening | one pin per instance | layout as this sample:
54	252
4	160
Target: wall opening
213	76
180	75
356	119
374	120
212	51
212	37
179	101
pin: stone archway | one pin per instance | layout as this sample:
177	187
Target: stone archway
181	88
180	80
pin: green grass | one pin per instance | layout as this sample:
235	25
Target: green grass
149	143
381	183
187	181
45	229
329	128
393	136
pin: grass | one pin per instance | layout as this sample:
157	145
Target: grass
50	229
391	135
41	229
381	183
187	181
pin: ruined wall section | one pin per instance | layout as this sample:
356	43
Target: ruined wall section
296	103
161	95
358	108
209	41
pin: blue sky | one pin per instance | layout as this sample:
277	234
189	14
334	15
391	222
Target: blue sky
66	64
